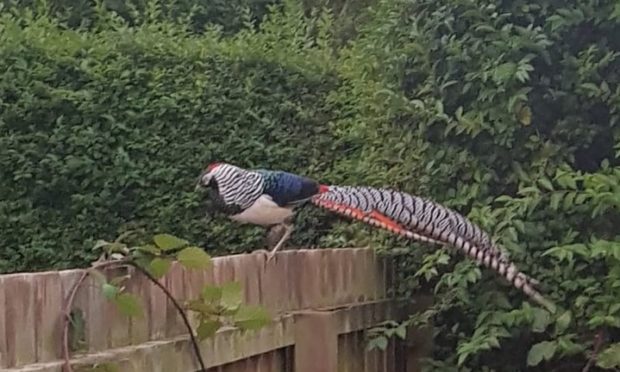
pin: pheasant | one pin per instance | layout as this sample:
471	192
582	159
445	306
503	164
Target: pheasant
268	198
259	197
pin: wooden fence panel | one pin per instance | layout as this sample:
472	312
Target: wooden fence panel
321	300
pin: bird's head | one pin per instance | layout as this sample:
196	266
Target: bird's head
208	175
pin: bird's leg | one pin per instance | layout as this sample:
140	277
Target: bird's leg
273	236
274	233
288	226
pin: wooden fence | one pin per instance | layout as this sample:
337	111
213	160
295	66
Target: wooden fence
321	300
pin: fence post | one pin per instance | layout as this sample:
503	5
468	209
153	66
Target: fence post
316	342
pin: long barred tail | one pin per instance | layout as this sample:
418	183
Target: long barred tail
424	220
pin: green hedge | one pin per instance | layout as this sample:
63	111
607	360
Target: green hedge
103	132
229	15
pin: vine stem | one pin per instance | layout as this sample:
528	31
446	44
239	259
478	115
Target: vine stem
179	309
598	342
123	262
69	304
66	320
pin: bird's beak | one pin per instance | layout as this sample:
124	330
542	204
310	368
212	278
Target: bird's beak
199	186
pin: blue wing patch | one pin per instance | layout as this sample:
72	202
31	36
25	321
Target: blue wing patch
288	188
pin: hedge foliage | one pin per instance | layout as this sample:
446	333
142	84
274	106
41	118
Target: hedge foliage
107	131
508	111
505	110
225	14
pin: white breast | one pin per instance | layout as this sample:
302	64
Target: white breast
263	212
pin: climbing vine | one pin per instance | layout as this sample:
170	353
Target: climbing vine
215	307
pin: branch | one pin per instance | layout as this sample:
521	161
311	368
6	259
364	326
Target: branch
67	310
598	342
179	308
66	320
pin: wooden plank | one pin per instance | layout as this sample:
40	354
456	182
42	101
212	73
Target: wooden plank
117	323
157	308
139	287
175	283
20	319
249	272
274	285
97	325
294	268
4	357
316	342
48	301
309	270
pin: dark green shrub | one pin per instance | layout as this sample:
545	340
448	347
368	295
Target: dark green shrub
507	111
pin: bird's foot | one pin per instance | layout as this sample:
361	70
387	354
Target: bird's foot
267	255
271	255
263	252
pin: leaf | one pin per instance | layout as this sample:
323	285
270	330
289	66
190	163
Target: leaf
591	87
194	258
110	291
544	181
168	242
563	321
556	197
77	330
207	328
380	343
581	198
540	351
231	295
115	248
149	248
505	71
211	293
541	320
610	357
129	305
251	317
525	115
569	199
202	307
159	267
100	244
401	332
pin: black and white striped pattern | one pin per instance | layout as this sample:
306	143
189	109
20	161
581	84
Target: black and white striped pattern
428	221
237	186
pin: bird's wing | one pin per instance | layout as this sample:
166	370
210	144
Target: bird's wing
288	189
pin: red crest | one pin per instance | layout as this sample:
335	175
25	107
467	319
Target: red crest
213	165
